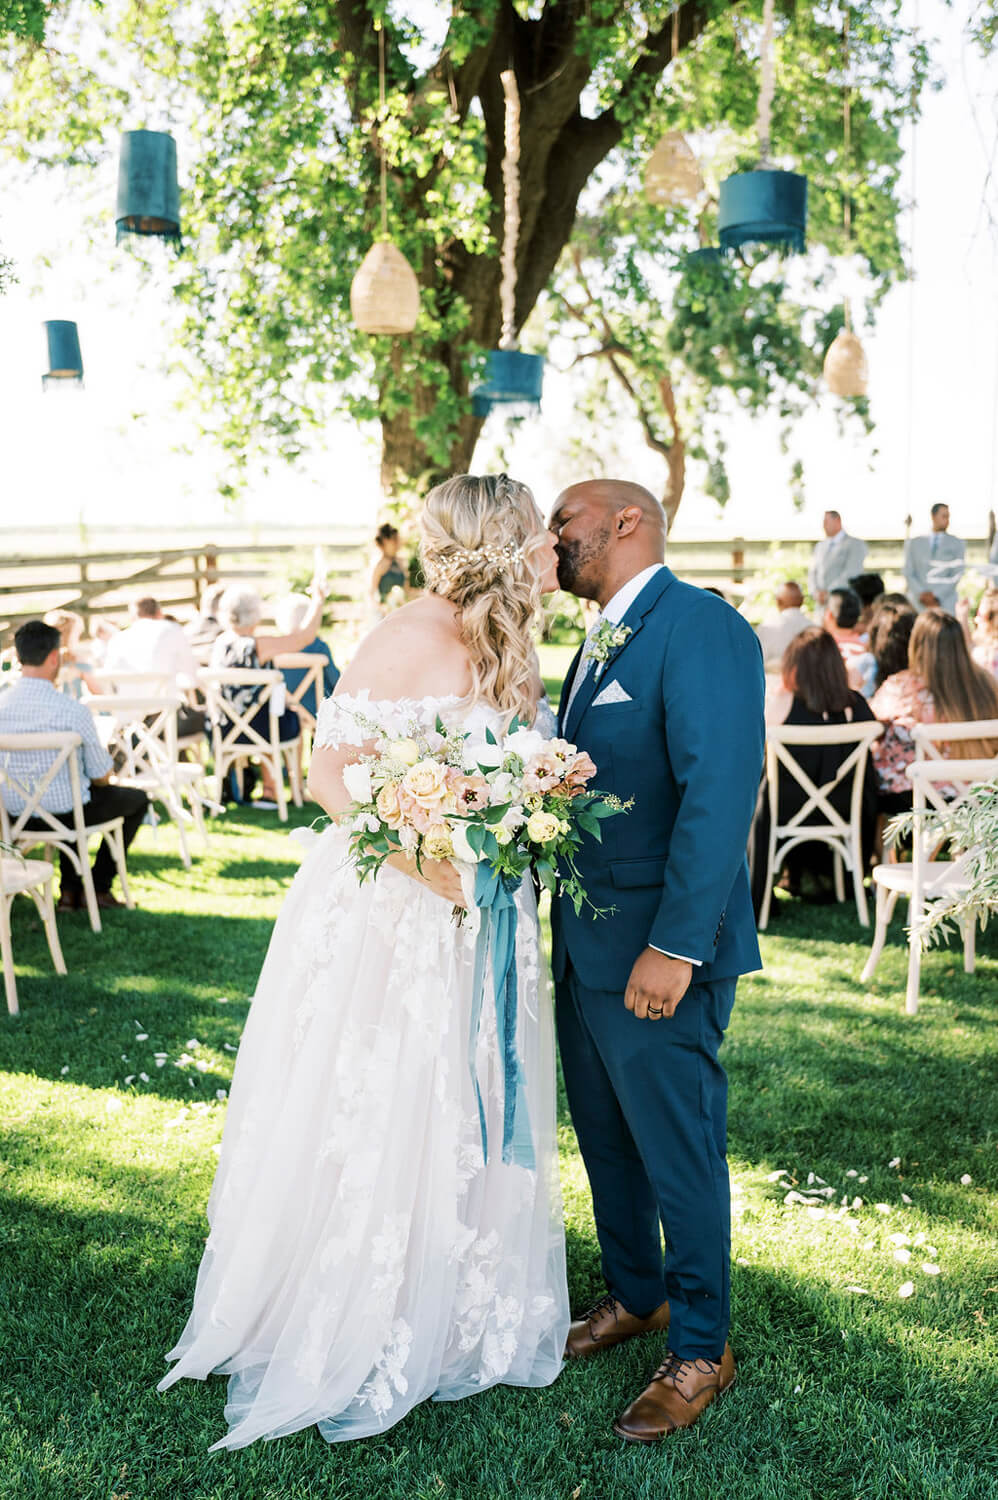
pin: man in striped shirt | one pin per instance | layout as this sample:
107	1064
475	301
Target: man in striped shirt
33	705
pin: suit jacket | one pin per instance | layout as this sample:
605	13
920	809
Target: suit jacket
834	561
940	574
687	745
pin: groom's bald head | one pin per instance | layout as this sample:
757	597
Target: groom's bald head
608	530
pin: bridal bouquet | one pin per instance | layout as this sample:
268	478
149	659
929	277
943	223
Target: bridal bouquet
512	802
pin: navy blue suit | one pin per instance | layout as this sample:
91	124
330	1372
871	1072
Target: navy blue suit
649	1098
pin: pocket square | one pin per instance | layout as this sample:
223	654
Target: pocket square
612	693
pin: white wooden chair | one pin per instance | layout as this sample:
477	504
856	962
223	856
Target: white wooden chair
925	879
154	685
312	666
30	877
235	740
932	740
66	832
841	835
146	738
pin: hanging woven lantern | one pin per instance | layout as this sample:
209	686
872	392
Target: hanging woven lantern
763	208
846	369
65	360
672	174
148	191
384	295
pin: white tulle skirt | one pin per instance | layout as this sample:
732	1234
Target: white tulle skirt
362	1255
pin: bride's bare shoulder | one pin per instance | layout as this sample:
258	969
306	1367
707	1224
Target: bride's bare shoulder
416	652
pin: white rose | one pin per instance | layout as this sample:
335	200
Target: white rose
514	819
357	780
404	752
481	754
500	789
462	848
524	743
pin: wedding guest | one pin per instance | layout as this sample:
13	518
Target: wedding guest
778	629
940	685
934	564
836	558
985	633
243	646
157	645
817	693
870	588
289	616
890	631
102	633
76	670
388	573
32	705
202	631
842	623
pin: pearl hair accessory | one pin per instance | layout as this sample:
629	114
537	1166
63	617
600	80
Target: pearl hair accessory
443	570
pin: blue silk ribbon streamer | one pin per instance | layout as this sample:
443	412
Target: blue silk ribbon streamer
494	897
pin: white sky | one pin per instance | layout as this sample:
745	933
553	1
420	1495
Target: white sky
106	456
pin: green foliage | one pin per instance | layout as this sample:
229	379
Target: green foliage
275	103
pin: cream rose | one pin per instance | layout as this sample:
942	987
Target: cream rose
388	805
426	783
404	752
438	843
542	827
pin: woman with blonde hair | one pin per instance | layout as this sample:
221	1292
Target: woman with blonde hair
364	1254
940	685
984	648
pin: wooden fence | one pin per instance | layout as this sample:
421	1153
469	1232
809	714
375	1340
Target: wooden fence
104	582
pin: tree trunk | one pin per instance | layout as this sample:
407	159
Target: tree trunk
675	458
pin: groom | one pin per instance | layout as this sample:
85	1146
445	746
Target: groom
666	695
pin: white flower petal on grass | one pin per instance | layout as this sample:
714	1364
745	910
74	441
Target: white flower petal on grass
857	1203
193	1042
864	1179
113	1105
129	1079
161	1062
919	1238
142	1036
902	1256
222	1000
895	1161
221	1093
882	1208
798	1389
124	1057
906	1199
899	1239
931	1251
930	1268
816	1213
64	1071
861	1291
229	1047
867	1244
144	1077
852	1172
906	1289
775	1176
966	1179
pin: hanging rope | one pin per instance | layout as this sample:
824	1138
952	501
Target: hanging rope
847	150
767	84
381	125
511	210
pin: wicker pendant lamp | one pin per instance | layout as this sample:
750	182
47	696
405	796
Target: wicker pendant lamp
846	370
384	294
672	174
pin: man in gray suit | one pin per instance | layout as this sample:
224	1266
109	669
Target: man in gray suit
934	564
837	557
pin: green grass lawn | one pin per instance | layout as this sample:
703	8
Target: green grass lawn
846	1389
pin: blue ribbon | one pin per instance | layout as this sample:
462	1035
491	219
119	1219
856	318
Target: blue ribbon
494	895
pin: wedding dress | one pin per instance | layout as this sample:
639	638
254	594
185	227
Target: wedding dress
363	1256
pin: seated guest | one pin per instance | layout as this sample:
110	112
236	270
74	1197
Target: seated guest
388	574
778	630
155	644
817	693
76	669
202	631
289	616
241	646
102	633
32	705
870	588
985	633
890	632
941	685
841	620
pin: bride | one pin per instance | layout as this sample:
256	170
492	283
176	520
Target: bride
363	1256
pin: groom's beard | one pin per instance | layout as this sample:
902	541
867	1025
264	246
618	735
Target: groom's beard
580	563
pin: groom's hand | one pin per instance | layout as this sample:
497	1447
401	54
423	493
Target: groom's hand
657	984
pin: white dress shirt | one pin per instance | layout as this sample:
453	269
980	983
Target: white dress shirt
776	633
153	646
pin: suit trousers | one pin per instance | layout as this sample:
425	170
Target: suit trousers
106	802
649	1104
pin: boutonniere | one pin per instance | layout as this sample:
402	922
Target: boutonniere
605	640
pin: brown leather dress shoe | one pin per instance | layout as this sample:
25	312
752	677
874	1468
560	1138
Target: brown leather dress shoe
108	902
69	900
679	1393
608	1324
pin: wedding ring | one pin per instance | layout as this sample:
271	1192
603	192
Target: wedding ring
656	1012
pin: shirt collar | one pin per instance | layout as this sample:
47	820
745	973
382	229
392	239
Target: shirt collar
617	607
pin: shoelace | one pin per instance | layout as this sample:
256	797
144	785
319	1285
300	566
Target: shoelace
605	1304
674	1367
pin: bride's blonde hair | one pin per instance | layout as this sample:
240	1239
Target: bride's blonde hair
480	545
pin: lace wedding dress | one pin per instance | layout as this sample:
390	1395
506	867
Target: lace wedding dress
362	1254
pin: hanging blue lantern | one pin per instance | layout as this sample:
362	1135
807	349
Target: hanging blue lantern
148	190
763	208
707	259
65	360
512	378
